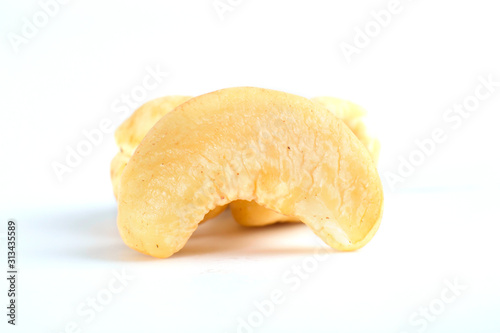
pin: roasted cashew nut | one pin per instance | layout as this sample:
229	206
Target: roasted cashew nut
282	151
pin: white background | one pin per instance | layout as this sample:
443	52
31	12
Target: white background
441	224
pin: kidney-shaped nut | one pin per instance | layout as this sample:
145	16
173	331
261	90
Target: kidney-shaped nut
280	150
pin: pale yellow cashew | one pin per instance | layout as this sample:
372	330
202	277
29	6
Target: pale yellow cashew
249	213
282	151
132	131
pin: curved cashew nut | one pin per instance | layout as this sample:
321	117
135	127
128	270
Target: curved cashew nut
280	150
